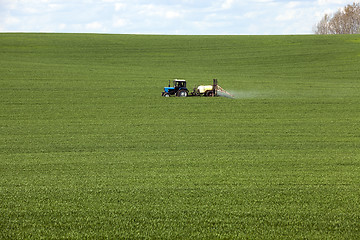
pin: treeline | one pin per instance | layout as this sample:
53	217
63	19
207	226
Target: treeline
344	21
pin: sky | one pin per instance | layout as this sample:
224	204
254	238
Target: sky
179	17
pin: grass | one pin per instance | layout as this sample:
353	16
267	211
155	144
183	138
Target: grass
90	149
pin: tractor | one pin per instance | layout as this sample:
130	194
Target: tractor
179	89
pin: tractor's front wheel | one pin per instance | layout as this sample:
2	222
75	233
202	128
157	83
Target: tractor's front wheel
182	93
166	95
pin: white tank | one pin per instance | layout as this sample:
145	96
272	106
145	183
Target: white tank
204	88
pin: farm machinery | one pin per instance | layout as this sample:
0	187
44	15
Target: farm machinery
179	89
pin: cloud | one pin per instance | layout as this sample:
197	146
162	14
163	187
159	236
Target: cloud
165	16
264	1
160	11
11	20
227	4
329	2
120	6
290	11
287	16
252	14
119	22
294	4
94	26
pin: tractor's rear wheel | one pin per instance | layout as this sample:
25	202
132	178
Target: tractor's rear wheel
182	93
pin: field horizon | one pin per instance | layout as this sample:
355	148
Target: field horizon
90	149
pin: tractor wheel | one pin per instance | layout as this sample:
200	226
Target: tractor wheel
166	95
182	93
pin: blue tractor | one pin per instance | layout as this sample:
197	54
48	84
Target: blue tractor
179	89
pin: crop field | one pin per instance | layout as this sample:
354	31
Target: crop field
90	150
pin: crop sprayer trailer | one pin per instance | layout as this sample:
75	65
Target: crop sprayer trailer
179	89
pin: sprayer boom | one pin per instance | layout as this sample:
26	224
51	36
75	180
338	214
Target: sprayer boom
220	89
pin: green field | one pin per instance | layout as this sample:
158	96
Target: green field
90	149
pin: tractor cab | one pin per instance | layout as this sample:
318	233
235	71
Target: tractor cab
179	83
179	89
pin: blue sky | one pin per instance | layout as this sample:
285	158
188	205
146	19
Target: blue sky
186	17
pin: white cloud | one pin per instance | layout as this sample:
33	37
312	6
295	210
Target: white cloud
172	14
292	10
160	11
252	14
119	22
328	2
120	6
10	20
31	10
62	26
227	4
293	4
165	16
286	16
55	6
264	1
94	26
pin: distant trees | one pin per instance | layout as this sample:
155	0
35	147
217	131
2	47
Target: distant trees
344	21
